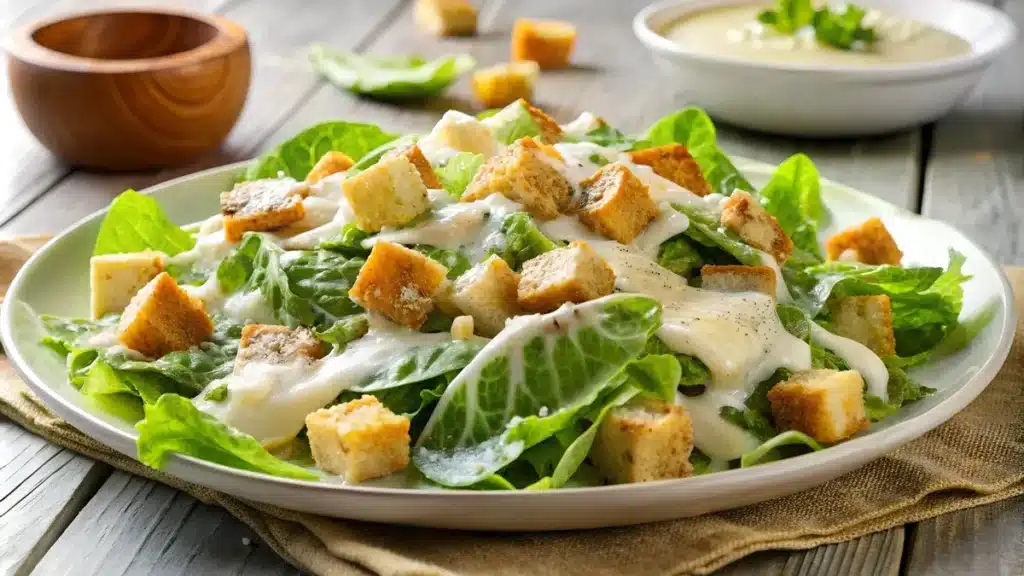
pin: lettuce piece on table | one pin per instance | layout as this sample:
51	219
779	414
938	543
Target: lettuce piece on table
296	157
389	77
136	223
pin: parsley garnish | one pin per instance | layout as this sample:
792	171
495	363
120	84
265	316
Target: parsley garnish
838	29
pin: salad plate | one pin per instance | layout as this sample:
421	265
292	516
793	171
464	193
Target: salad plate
56	283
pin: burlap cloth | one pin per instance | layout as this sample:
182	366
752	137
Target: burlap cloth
975	458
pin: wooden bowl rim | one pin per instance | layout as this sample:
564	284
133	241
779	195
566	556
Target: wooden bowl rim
230	38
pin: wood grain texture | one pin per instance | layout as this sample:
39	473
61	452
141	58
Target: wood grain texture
985	540
878	554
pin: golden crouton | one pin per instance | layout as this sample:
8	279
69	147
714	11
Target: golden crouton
523	173
616	203
330	163
742	214
572	274
446	17
827	405
643	441
550	131
673	162
277	344
739	279
163	318
487	292
389	193
503	84
115	278
413	154
549	43
462	328
261	205
359	440
869	242
866	319
398	282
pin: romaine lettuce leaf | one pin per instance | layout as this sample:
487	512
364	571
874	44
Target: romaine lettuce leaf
655	375
679	255
512	123
389	77
344	331
349	242
529	383
520	240
454	260
457	172
608	137
793	197
135	223
769	450
705	231
296	157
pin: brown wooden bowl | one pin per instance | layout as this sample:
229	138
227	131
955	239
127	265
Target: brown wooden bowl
130	89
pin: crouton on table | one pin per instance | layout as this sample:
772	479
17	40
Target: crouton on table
643	441
827	405
739	279
277	345
390	193
523	173
445	17
115	278
868	243
616	203
163	318
500	85
330	163
413	154
262	205
549	43
866	319
742	214
575	273
673	162
398	282
359	440
487	292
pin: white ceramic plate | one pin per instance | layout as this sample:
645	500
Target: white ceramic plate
820	100
56	281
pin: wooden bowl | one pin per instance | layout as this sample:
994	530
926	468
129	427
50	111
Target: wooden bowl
130	89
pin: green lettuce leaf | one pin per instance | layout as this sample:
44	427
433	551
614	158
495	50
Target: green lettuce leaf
454	260
349	242
344	331
655	375
512	123
705	231
793	197
520	240
457	172
296	157
389	77
136	223
608	137
679	255
700	461
770	449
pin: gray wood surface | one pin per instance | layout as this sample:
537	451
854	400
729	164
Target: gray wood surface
985	540
877	554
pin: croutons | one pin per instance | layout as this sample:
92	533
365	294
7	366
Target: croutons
359	440
739	279
866	319
487	292
463	133
277	345
673	162
742	214
446	17
261	205
572	274
643	441
413	154
330	163
550	131
616	203
549	43
398	282
500	85
462	328
163	318
115	278
827	405
523	173
389	193
868	242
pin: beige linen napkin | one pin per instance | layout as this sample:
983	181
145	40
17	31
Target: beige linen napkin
975	458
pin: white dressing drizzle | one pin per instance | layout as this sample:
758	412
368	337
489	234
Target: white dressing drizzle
715	436
858	356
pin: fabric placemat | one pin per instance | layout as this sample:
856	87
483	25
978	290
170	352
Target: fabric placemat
975	458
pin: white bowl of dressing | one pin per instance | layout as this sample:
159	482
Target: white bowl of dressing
931	55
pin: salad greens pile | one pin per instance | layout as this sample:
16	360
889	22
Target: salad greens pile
842	30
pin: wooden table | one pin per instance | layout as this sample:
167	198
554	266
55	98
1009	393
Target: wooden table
63	513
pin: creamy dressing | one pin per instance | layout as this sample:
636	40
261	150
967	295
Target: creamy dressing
211	246
578	128
781	291
667	224
715	436
458	132
858	356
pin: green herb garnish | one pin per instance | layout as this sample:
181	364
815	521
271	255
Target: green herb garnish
840	29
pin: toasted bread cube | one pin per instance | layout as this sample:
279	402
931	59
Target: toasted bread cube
739	279
827	405
413	154
163	318
550	131
330	163
115	278
464	133
868	242
643	441
500	85
261	205
616	203
673	162
487	292
390	193
398	282
446	17
866	319
462	328
572	274
523	173
742	214
360	439
549	43
277	345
